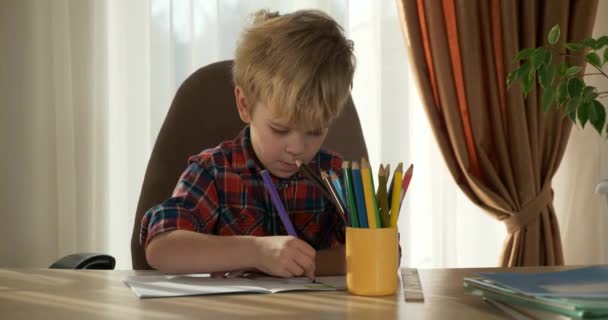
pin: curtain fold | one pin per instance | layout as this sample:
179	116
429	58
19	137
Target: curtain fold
500	148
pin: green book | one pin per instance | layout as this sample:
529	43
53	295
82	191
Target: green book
582	308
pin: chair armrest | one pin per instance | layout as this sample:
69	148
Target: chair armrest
85	261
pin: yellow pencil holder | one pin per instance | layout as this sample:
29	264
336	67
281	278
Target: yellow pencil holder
371	261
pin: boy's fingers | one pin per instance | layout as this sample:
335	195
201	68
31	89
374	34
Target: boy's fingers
294	269
305	248
307	264
311	275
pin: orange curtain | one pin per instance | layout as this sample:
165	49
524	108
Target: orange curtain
501	149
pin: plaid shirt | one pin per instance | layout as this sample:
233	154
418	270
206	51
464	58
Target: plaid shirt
222	193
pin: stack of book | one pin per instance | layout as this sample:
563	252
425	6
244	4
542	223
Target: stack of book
576	293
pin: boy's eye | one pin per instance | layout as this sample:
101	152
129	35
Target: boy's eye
316	133
279	131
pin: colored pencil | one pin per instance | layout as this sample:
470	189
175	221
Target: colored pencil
350	196
406	183
334	196
387	169
359	194
309	172
371	206
382	196
396	195
338	186
278	204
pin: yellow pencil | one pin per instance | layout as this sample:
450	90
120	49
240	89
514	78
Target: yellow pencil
396	196
371	206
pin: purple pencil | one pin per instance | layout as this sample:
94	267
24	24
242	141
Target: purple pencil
278	204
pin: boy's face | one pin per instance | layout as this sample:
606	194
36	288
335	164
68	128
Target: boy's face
277	144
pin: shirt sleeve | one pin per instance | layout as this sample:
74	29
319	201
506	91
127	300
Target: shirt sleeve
194	206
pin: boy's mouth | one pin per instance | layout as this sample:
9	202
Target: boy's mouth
289	165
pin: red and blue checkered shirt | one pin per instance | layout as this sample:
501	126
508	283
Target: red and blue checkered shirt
222	193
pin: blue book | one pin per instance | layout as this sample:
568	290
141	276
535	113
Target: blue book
589	282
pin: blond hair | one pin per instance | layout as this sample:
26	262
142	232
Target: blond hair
300	64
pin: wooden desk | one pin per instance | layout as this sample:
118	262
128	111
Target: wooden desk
89	294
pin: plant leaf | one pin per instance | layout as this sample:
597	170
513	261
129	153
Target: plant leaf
511	77
553	34
572	115
601	42
573	105
594	59
583	113
605	56
589	42
526	84
575	87
574	46
518	74
548	57
562	92
548	98
561	69
597	116
589	93
523	54
572	71
537	58
546	75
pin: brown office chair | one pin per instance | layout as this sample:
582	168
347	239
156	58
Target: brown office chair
202	115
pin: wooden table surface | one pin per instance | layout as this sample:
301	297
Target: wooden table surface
91	294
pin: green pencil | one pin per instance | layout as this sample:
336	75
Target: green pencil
350	196
382	195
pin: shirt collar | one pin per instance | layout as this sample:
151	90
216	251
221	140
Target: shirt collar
243	156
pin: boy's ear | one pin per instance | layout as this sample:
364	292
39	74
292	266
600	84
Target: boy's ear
242	105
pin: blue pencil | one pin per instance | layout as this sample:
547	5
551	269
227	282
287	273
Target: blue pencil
338	185
278	204
359	197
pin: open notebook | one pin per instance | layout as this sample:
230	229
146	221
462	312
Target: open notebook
156	286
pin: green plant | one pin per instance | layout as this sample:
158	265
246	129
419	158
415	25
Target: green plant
563	85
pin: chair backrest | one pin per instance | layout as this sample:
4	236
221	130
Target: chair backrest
203	114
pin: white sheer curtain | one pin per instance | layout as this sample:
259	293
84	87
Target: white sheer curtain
85	86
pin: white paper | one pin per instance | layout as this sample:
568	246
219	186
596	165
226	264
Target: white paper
149	286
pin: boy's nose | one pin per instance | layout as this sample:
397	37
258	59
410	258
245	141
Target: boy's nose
295	147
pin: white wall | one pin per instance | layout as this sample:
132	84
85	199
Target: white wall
582	214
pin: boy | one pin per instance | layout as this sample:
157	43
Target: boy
293	74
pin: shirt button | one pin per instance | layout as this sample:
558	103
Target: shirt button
281	186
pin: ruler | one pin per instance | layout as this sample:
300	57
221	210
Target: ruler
412	289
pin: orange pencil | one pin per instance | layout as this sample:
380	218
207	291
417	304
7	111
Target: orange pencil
308	171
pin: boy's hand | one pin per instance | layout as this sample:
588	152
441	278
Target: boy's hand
285	256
